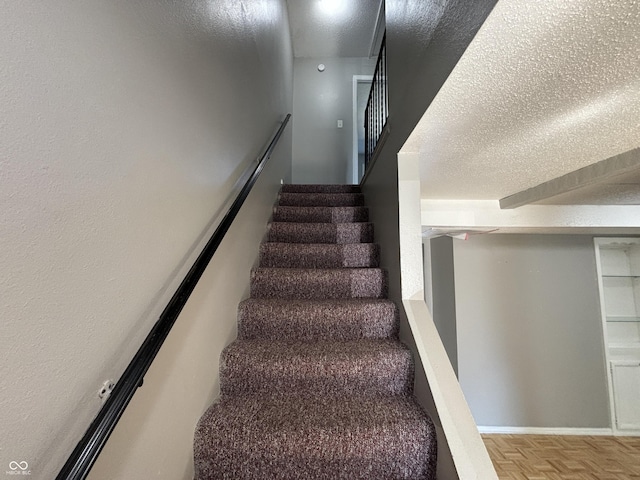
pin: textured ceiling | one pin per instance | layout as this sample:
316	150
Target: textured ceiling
332	28
544	89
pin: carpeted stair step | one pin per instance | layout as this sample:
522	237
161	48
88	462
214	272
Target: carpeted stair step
289	438
316	283
293	232
320	214
319	188
307	320
325	368
321	199
319	255
317	385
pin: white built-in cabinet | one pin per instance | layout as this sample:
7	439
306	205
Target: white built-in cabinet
618	264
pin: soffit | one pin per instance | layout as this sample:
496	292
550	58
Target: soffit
332	28
544	89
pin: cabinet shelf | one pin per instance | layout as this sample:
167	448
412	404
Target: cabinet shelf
621	276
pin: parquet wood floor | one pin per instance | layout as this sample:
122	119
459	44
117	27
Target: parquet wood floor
564	457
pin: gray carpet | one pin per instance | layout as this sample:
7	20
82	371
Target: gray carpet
317	385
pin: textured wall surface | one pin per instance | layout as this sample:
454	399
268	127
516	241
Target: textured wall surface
544	89
123	128
322	152
530	349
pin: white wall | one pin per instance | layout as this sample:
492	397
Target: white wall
530	350
322	152
124	126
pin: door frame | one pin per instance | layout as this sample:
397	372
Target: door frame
355	178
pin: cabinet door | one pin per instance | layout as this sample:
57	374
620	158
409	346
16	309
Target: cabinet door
626	394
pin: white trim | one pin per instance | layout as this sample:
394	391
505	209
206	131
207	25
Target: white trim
468	214
355	179
603	322
380	27
545	431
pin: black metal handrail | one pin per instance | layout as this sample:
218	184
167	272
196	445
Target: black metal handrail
87	450
377	111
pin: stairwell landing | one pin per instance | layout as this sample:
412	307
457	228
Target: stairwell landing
317	385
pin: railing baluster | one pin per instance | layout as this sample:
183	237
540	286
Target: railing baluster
377	111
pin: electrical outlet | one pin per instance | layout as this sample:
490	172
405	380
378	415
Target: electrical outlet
339	123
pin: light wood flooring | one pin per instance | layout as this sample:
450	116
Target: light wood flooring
556	457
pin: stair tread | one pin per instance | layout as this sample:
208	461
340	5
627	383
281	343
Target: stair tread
288	213
319	255
308	320
312	283
321	199
317	187
357	367
324	351
319	271
285	437
309	232
327	306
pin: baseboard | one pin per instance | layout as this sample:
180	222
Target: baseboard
545	431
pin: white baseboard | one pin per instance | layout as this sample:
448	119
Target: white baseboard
545	431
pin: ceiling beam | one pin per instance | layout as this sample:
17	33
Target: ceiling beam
589	175
478	215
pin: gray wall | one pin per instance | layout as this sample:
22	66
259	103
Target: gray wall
443	296
124	126
530	351
322	152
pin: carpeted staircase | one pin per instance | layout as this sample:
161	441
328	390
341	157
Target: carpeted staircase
317	385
